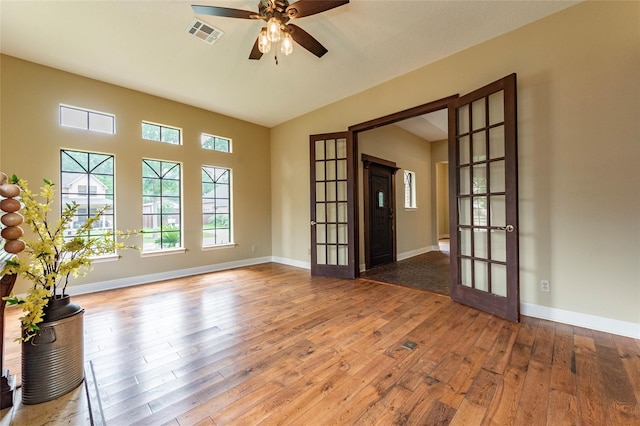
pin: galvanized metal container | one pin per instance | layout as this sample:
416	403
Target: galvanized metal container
53	360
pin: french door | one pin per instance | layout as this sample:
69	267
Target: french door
333	234
484	199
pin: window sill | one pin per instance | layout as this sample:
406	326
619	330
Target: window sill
219	247
178	250
107	258
410	209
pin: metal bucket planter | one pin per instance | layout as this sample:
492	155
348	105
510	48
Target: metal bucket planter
53	360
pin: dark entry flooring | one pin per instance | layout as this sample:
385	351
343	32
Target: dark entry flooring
428	271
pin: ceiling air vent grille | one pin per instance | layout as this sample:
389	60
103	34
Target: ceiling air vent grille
204	31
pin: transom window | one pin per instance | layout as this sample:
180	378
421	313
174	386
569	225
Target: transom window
80	171
81	118
216	206
215	143
161	205
409	190
161	133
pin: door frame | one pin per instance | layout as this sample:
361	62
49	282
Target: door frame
510	309
379	122
367	160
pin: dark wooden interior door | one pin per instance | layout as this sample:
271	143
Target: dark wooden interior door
379	215
483	199
333	222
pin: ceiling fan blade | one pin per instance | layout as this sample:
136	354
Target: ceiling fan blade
311	7
305	40
223	11
255	52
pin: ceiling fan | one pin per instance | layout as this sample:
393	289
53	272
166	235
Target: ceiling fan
277	13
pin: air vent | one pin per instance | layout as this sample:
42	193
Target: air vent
204	31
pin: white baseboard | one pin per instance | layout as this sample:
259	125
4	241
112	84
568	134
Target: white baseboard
161	276
608	325
417	252
291	262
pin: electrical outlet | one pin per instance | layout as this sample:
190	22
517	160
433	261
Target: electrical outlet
544	286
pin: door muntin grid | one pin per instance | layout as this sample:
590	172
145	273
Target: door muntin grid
481	197
331	197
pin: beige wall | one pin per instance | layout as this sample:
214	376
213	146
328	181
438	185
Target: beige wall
409	152
31	140
578	109
440	185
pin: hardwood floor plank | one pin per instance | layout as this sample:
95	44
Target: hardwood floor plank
483	388
592	406
500	351
504	407
386	410
467	414
628	349
563	409
622	403
532	408
337	396
542	349
229	413
438	414
563	377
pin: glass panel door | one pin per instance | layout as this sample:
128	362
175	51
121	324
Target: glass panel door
331	205
484	237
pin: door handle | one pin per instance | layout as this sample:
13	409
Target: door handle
508	228
313	222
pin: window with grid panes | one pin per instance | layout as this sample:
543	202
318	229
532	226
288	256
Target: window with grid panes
161	205
87	179
216	206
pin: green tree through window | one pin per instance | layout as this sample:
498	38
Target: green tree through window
161	205
216	206
215	143
87	179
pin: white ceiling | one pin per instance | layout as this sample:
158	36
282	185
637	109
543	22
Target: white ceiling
431	127
143	45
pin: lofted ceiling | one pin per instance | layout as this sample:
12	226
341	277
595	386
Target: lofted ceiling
431	127
144	45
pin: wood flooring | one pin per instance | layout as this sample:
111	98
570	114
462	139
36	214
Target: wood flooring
271	345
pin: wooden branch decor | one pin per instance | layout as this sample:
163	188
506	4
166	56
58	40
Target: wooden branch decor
11	233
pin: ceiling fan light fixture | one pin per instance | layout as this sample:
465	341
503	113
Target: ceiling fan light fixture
273	30
264	45
286	45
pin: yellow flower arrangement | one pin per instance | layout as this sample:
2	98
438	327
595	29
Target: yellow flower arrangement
51	258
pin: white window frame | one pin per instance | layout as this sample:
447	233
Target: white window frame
89	196
205	136
213	199
88	124
410	199
158	217
161	126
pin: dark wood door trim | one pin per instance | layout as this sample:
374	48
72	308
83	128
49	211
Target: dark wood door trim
367	161
403	115
383	121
